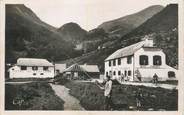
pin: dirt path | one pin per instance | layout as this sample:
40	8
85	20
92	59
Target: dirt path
71	103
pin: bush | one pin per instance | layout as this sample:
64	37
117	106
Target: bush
60	79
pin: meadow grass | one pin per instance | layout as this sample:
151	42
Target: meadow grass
91	96
31	96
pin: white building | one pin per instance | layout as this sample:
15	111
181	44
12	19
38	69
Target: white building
140	60
59	68
32	68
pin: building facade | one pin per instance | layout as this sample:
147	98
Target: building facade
59	68
139	62
32	68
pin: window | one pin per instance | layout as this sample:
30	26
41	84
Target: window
23	68
157	60
143	60
45	68
129	60
109	63
171	74
34	68
125	73
107	73
34	73
114	62
129	73
119	61
119	72
41	74
114	73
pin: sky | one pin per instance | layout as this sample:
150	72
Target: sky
89	14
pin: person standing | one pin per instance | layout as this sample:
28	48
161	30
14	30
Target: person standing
138	97
107	87
155	78
122	77
108	94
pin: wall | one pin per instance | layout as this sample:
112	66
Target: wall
162	73
149	70
150	55
123	67
18	73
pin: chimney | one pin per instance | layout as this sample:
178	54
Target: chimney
148	41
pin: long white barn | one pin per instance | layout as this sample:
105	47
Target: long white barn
139	62
32	68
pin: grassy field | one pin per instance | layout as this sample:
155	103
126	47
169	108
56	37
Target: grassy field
172	82
31	96
91	97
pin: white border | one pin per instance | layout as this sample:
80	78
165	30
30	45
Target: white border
2	63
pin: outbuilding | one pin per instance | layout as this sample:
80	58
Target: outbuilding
82	72
32	68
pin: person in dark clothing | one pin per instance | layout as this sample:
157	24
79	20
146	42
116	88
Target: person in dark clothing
122	77
155	78
108	102
138	97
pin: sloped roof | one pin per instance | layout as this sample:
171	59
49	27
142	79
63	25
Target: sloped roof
130	50
74	68
60	67
33	62
80	68
90	68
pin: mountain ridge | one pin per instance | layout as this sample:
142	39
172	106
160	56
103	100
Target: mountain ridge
125	24
72	32
28	36
166	39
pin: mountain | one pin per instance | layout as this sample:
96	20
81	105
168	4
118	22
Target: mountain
72	32
123	25
163	27
164	21
28	36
